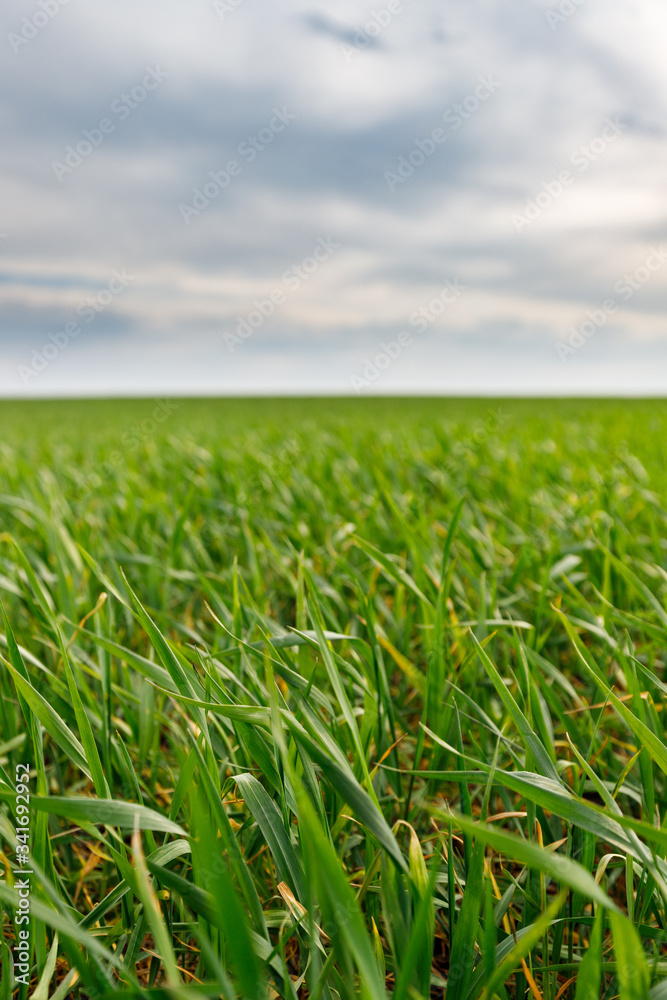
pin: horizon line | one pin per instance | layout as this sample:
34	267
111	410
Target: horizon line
614	395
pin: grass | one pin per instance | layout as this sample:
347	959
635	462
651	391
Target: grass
330	699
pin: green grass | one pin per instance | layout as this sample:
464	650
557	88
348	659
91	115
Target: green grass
337	698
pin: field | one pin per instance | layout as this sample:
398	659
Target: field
333	699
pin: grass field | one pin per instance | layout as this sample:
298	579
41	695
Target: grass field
357	698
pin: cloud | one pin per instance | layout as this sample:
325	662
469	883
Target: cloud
357	119
349	36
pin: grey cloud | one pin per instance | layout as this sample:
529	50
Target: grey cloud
325	174
321	25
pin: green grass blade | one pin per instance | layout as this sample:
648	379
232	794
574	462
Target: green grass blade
54	725
556	866
106	812
589	976
543	761
532	935
633	972
271	824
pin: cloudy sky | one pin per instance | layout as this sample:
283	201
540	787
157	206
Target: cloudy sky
217	196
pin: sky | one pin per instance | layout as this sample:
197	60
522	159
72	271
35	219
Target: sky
301	197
